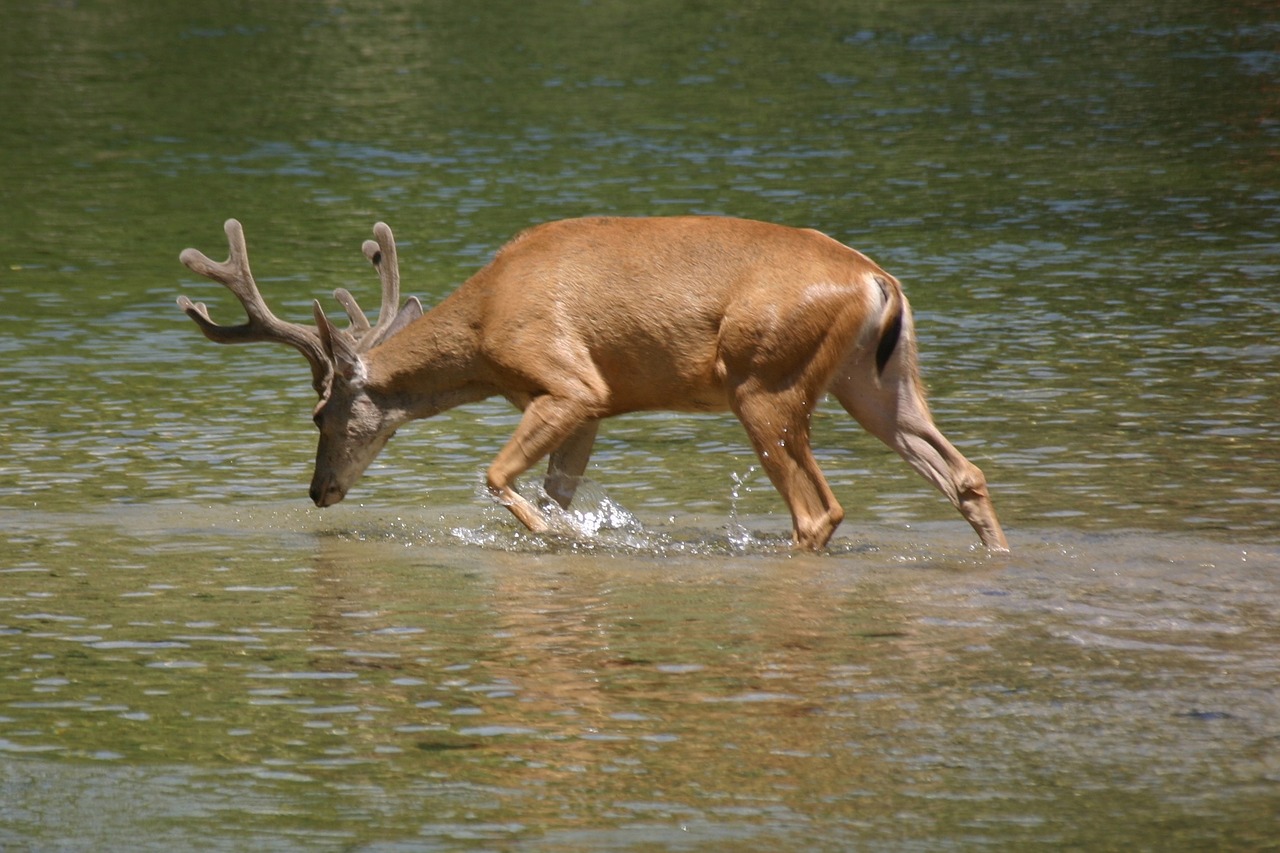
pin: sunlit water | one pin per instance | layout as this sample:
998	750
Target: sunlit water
260	673
1084	207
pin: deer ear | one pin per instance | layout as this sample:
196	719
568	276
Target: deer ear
411	311
346	361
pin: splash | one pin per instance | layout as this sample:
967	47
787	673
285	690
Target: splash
596	523
591	512
740	538
592	521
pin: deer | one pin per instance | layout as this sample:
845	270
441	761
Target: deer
578	320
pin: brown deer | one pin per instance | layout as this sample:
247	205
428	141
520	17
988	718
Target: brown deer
578	320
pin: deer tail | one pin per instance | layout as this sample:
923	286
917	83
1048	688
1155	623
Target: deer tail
890	321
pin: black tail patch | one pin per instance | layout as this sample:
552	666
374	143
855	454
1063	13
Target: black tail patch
889	340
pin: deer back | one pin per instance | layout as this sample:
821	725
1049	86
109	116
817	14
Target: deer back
647	313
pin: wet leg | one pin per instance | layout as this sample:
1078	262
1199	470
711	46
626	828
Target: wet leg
568	462
780	435
548	423
898	415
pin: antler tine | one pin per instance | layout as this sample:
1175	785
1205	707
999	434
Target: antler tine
359	322
234	274
381	252
388	264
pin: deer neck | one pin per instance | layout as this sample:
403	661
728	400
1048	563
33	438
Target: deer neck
429	367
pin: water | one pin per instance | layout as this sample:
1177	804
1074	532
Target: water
1083	204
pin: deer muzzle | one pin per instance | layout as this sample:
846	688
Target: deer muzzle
326	493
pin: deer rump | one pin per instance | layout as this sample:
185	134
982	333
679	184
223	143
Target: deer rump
578	320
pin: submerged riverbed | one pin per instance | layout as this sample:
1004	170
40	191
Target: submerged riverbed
1082	204
277	680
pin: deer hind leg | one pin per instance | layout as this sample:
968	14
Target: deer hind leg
896	413
779	431
548	423
568	462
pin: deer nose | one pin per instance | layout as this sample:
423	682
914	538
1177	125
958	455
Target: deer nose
326	495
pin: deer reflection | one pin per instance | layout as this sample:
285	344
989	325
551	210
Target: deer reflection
732	676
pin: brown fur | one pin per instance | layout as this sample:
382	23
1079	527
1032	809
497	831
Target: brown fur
579	320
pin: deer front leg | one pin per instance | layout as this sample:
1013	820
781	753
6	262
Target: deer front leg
548	423
568	462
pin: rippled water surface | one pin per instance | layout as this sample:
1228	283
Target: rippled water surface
1083	203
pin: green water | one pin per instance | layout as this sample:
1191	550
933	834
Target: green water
1083	203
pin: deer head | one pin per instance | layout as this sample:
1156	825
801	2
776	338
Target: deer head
353	427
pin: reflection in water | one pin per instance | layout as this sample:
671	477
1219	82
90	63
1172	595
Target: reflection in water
469	687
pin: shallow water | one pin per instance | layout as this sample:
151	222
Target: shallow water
259	676
1083	205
